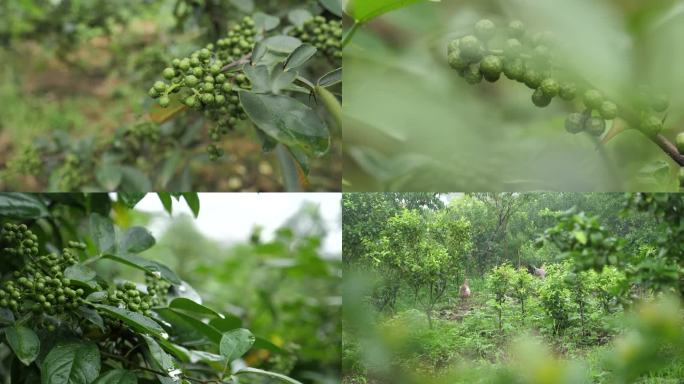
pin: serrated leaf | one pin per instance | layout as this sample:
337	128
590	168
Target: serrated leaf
163	360
138	322
265	22
97	297
92	316
136	240
109	176
300	56
287	120
71	363
149	266
166	201
187	327
22	206
192	199
24	343
334	6
298	17
192	306
331	78
102	231
80	273
130	200
236	343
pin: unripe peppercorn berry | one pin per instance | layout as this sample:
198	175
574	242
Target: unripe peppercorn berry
651	125
191	80
659	103
541	99
485	29
516	28
532	78
574	123
169	73
608	110
164	101
550	87
472	74
491	67
593	99
595	126
513	47
456	61
160	86
471	49
568	91
514	69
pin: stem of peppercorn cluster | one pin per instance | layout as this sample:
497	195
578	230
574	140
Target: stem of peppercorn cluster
669	148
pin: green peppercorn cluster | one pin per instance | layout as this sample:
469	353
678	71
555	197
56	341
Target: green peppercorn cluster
203	82
325	35
72	173
529	59
40	285
157	288
127	296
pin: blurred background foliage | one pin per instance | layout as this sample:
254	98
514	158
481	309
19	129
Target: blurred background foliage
285	288
411	123
75	77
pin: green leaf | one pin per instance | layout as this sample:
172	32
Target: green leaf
331	78
22	206
192	199
109	176
287	120
263	21
136	240
169	168
92	316
134	181
71	363
334	6
24	343
192	306
364	10
166	201
298	17
117	376
281	80
273	375
259	77
97	297
300	56
236	343
149	266
102	231
163	360
227	323
581	236
130	200
80	273
189	326
282	43
138	322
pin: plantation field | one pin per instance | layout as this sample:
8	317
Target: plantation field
606	309
78	113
